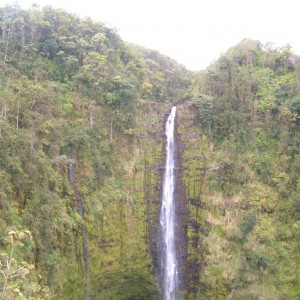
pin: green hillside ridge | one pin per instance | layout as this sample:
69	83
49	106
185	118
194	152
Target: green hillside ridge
70	82
73	93
248	110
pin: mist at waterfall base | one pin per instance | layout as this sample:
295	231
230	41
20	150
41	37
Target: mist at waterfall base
168	262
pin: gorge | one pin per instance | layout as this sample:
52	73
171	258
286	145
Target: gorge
168	215
89	187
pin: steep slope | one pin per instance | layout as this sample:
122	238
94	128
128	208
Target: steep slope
81	159
248	111
81	117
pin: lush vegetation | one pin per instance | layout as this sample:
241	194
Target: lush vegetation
76	98
72	93
248	108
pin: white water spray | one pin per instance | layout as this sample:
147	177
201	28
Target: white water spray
167	216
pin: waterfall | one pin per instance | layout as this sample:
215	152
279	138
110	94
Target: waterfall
167	216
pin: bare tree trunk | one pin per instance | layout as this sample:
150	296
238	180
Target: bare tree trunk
23	36
3	116
111	130
6	46
91	120
5	112
17	117
31	141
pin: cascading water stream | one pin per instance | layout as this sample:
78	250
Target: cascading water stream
167	215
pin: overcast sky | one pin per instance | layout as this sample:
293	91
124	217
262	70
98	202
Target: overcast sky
193	32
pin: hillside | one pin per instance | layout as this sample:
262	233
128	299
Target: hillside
82	147
80	111
248	112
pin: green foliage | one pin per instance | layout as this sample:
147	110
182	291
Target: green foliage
248	224
122	94
254	166
295	104
263	166
18	278
70	81
204	104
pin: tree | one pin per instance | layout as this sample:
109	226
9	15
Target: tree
204	104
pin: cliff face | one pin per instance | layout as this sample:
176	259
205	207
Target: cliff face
79	221
191	192
246	109
73	82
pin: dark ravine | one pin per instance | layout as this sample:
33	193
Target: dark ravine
188	215
153	178
181	211
188	189
80	209
82	204
191	182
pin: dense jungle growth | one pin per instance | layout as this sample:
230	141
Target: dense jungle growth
249	113
81	150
